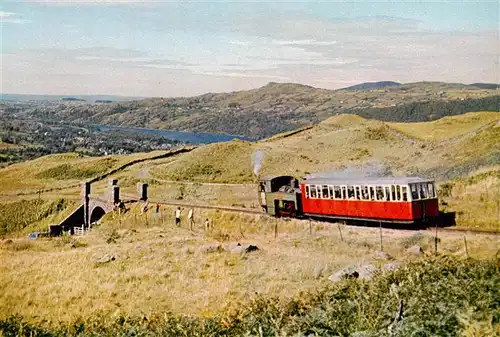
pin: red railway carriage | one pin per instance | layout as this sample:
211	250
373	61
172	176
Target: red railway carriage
397	200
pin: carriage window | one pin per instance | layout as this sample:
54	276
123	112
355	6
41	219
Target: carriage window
380	193
424	190
372	193
307	191
358	192
344	192
350	192
420	190
430	186
313	191
404	192
325	192
414	193
364	193
398	192
338	194
387	193
318	190
330	190
393	193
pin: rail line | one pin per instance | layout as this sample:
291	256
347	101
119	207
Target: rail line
258	212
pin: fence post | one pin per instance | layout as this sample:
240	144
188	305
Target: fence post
436	240
340	231
381	245
466	250
241	231
310	227
498	214
275	229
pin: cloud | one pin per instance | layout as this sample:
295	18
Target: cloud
93	2
186	58
244	75
10	17
305	43
59	71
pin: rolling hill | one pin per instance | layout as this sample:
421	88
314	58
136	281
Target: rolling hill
373	85
271	109
443	149
448	148
138	274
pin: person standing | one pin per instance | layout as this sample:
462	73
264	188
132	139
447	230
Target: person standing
191	219
178	217
207	224
157	209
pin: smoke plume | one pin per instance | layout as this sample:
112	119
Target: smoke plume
257	159
352	171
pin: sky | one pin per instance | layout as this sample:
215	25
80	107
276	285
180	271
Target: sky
174	48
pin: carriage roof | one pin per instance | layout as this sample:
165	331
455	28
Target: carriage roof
365	181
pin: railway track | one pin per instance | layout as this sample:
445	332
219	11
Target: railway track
258	212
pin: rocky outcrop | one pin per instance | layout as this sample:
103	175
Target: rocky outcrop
234	248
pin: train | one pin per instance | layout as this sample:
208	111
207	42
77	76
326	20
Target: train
411	201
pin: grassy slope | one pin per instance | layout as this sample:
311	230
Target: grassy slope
345	142
60	170
475	198
33	215
447	127
163	269
466	290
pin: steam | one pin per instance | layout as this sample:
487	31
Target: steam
257	159
375	170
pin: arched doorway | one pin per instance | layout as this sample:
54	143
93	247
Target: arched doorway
97	213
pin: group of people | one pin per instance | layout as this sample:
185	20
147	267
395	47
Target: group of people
191	221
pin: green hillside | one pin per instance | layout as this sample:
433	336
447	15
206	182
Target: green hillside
449	148
347	142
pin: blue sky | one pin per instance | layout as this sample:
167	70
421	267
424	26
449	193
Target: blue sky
160	48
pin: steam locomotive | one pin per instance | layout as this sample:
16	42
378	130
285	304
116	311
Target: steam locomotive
405	200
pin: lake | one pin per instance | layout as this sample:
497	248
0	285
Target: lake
181	136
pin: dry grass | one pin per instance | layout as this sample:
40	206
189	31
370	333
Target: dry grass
159	267
24	216
56	171
447	127
347	142
475	199
220	162
344	143
339	143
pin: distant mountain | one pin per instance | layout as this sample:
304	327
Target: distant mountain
491	86
269	110
373	85
76	98
72	99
